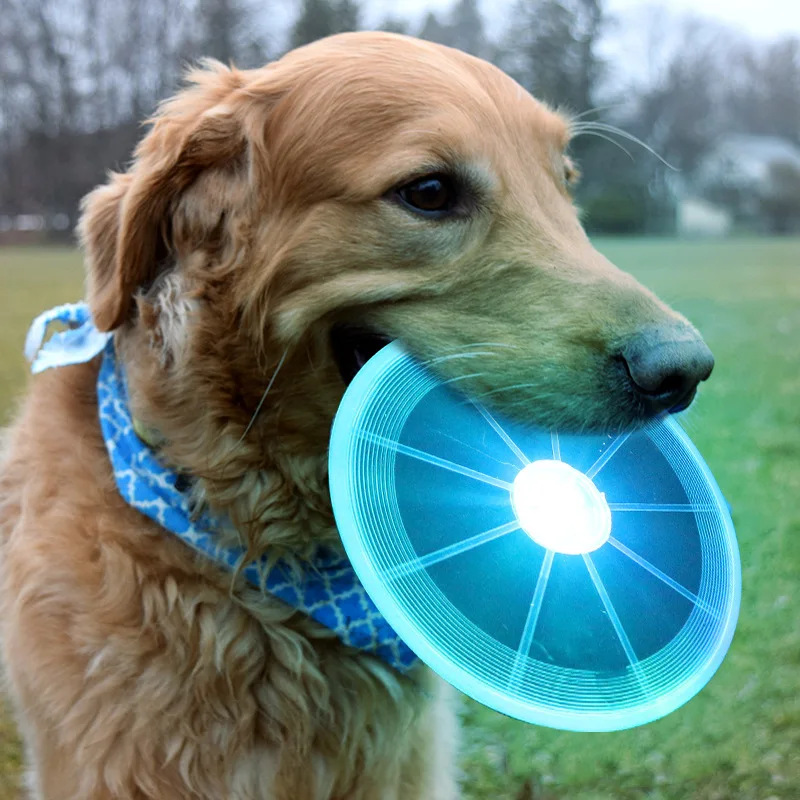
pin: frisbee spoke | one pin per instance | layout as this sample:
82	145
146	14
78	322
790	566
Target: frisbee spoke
531	620
686	508
662	576
444	553
614	619
555	444
606	455
512	445
473	448
429	458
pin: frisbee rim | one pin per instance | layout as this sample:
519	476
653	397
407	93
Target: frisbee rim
589	721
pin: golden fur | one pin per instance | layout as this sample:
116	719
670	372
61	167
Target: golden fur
255	216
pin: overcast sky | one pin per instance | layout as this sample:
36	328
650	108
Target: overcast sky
761	18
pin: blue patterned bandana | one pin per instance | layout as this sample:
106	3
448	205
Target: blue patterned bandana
328	590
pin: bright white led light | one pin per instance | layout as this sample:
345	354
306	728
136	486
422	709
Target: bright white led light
560	508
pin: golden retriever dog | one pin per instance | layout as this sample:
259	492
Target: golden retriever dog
275	227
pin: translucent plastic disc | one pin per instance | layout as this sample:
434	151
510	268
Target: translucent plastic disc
589	583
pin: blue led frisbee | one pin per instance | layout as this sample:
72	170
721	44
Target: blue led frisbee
588	583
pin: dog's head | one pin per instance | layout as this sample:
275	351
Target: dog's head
365	188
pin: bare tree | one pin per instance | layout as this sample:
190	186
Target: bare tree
348	16
433	29
462	28
395	24
80	75
764	97
680	111
320	18
551	48
466	28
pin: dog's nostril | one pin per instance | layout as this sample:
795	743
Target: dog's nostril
665	369
651	378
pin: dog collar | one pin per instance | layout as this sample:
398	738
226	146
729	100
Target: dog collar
327	590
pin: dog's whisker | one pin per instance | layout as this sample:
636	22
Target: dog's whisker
440	359
608	139
492	344
508	389
263	398
472	345
452	356
514	387
462	378
596	110
586	127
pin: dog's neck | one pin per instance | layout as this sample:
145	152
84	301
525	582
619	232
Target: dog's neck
270	483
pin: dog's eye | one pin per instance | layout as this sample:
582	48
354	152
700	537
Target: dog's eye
432	196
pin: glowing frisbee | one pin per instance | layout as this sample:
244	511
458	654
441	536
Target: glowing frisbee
589	583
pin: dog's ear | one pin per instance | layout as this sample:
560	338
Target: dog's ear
124	226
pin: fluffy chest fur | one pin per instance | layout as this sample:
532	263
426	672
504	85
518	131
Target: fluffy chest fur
153	679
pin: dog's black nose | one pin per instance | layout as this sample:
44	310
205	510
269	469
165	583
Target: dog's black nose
665	365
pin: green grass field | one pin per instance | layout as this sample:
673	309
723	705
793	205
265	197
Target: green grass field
740	738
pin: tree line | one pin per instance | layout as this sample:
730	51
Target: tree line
79	76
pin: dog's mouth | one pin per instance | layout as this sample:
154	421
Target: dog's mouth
683	404
353	346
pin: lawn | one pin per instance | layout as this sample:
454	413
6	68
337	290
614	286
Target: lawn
740	738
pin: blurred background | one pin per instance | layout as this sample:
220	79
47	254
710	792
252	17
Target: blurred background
712	224
714	91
